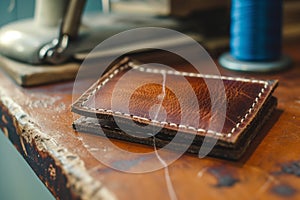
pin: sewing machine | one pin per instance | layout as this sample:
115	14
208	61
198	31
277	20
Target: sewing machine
56	32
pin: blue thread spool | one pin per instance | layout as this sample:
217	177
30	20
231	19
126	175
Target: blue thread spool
255	37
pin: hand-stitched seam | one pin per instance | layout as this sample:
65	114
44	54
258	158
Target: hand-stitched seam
251	109
191	74
171	72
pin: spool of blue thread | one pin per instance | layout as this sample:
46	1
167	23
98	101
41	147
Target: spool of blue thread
255	37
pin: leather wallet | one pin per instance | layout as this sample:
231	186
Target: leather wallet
161	99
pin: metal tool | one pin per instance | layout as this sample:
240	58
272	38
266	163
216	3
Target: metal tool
60	31
56	52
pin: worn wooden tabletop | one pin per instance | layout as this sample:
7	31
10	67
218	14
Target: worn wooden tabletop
38	122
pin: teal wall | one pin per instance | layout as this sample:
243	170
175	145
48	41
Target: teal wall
25	9
17	179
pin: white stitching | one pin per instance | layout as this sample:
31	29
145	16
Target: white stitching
171	72
251	109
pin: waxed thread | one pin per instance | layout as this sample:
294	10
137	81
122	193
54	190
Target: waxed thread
256	27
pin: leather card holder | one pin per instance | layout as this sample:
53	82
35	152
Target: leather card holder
131	94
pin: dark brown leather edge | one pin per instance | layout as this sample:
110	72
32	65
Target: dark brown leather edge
234	152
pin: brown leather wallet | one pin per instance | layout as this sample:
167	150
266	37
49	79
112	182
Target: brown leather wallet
131	95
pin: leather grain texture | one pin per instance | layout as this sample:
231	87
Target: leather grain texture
176	101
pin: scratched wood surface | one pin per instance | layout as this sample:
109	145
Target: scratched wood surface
38	122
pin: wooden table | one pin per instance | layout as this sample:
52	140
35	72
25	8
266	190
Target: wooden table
38	122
